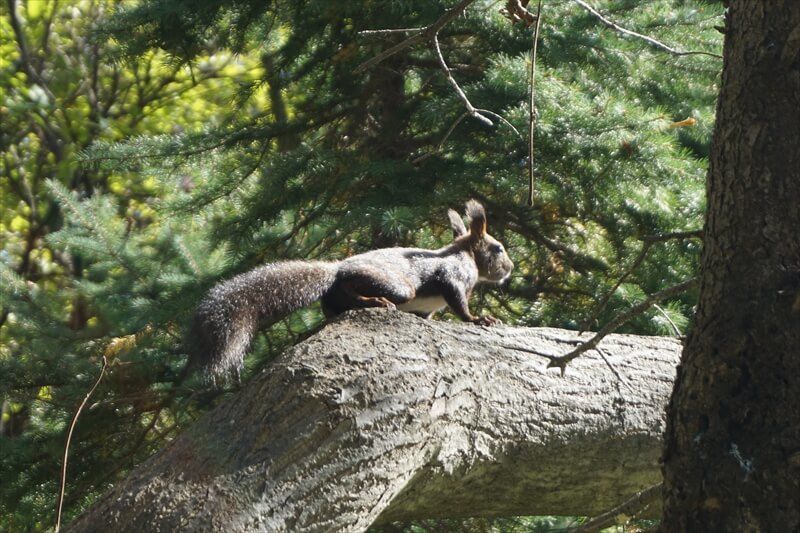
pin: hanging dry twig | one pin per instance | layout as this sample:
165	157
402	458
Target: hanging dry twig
69	438
649	40
532	110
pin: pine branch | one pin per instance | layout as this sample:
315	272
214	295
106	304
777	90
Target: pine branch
597	310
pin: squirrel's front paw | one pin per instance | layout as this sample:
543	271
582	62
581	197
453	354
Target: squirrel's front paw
487	320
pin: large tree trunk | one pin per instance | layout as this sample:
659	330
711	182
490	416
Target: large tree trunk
385	416
732	460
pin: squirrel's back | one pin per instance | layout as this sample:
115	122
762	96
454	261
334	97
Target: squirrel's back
227	318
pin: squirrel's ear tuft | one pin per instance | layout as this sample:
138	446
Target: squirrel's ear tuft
477	219
456	223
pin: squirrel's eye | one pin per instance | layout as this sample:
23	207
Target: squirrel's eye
498	248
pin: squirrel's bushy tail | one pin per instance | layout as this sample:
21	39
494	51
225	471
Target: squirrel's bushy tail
227	318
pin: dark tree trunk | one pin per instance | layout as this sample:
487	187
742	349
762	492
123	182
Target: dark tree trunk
732	456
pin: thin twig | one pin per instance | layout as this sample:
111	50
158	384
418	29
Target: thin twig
453	83
532	109
671	323
561	361
546	355
649	40
69	438
619	320
425	33
452	128
431	33
631	507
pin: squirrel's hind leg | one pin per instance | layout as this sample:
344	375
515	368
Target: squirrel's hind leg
368	287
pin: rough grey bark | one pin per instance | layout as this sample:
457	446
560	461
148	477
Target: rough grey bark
385	416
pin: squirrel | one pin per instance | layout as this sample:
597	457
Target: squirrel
415	280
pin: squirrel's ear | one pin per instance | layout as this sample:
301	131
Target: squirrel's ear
456	223
477	219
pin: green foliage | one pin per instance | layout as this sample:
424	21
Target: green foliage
191	140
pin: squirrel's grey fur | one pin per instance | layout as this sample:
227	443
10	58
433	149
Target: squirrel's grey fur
411	279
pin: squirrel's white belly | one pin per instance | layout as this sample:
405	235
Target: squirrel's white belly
423	304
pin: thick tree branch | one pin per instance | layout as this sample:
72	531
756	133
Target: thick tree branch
383	417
